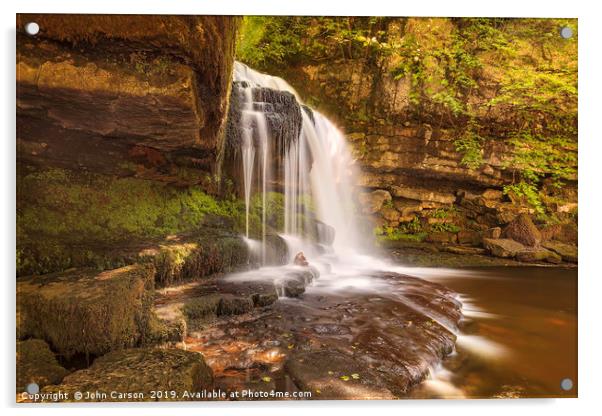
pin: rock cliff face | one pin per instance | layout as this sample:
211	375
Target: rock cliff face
142	96
120	124
408	93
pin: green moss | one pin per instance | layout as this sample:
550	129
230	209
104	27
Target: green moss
82	311
202	307
62	215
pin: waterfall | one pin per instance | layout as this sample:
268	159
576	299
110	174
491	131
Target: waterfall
316	167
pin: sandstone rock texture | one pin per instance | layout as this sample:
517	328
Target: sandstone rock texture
87	312
133	374
36	363
137	95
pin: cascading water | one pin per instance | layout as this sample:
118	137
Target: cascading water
317	166
286	147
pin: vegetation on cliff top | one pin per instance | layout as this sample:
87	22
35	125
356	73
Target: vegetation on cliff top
486	78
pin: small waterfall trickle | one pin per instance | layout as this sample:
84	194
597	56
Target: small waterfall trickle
314	168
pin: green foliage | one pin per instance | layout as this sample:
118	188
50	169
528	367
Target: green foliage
443	213
266	41
409	231
536	156
529	192
469	144
398	234
537	86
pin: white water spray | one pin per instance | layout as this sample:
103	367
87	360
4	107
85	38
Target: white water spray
317	167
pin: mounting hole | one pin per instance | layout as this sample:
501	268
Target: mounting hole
566	384
32	28
566	32
33	388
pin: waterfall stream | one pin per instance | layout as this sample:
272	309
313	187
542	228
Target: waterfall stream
317	166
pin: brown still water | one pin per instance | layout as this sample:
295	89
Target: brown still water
519	334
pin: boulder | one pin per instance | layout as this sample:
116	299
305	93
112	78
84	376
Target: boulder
568	252
548	232
523	230
84	311
503	247
300	259
132	375
538	254
234	305
372	202
37	364
262	292
293	288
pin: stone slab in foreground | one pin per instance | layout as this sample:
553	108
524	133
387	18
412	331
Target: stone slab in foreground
86	311
134	374
37	364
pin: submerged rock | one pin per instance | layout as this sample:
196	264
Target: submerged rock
83	311
293	288
132	374
37	364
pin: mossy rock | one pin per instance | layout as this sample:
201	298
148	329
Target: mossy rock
566	251
165	332
234	305
206	253
538	254
202	307
36	363
69	220
83	311
140	371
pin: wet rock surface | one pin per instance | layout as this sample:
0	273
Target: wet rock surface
347	344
